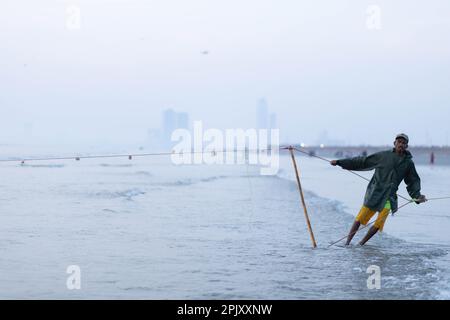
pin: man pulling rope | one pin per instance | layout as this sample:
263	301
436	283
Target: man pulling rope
391	168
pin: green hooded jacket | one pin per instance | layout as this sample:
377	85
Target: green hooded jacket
390	170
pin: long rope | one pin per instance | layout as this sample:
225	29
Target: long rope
129	155
356	174
132	155
442	198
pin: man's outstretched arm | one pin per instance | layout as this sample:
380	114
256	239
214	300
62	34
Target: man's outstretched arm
359	163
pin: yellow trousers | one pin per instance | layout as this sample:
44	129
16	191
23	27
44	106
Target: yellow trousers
365	214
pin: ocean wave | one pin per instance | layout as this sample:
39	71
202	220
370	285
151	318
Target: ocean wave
106	165
109	210
128	194
209	179
138	288
183	182
189	181
43	165
143	173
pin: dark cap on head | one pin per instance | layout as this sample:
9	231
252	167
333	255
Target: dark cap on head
403	136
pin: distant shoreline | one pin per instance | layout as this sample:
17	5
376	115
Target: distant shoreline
421	154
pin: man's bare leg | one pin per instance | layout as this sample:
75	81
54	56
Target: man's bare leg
352	232
372	231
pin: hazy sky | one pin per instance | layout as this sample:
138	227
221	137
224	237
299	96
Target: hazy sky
316	63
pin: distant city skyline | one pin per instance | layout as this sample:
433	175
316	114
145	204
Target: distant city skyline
317	65
171	120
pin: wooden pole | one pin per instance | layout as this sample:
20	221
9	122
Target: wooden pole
302	198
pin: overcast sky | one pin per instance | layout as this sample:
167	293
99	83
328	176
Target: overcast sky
317	63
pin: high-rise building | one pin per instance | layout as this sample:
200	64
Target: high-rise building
264	119
182	120
262	115
273	121
171	121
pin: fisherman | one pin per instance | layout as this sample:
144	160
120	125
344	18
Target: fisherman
391	167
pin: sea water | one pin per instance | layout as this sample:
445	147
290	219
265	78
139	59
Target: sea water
148	229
